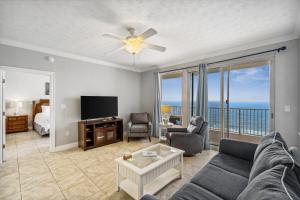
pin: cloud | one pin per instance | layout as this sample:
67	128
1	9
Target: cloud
250	74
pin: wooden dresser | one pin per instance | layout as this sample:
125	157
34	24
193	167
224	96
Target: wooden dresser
17	123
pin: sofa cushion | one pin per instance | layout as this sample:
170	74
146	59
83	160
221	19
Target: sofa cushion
139	128
267	140
279	182
232	164
139	118
191	191
272	155
221	182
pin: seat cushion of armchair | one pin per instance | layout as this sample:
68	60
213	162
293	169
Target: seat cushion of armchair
139	128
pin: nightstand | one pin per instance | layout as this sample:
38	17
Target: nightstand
18	123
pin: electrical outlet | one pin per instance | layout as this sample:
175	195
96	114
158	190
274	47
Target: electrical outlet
287	108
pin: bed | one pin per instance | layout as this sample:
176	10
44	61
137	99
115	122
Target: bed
41	116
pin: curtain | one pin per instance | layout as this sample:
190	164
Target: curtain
156	110
202	100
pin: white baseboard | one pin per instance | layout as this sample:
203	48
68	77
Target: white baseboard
66	146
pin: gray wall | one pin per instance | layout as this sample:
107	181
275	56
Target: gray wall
286	87
73	79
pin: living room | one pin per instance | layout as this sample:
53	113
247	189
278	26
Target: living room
94	49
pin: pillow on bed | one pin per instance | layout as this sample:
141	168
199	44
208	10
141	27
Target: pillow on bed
46	110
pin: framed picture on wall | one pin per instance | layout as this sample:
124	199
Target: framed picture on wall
47	88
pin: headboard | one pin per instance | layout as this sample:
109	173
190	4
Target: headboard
37	106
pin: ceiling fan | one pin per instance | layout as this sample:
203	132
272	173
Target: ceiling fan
135	43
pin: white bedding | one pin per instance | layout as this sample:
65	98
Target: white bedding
43	120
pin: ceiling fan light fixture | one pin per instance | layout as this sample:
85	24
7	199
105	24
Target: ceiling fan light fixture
134	44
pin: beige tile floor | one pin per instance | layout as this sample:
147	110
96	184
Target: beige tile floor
31	172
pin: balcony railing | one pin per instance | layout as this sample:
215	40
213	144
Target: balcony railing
244	121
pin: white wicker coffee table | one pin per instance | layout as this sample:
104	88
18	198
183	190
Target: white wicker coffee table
147	175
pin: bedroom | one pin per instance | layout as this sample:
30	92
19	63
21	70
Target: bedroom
28	112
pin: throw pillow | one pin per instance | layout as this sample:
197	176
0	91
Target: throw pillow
279	182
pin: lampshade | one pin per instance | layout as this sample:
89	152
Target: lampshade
165	109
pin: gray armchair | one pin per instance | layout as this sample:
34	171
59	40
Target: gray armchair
139	125
190	139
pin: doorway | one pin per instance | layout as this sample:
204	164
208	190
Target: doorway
13	120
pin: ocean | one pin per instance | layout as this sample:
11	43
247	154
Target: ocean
216	104
251	118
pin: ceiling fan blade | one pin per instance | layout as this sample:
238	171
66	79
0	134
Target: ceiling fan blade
155	47
112	36
115	50
148	33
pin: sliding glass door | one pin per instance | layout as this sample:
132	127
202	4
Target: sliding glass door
248	103
243	110
239	105
239	101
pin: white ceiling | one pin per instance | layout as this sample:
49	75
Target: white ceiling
188	28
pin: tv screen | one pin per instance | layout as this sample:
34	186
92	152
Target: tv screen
98	106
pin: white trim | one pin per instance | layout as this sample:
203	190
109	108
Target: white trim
64	54
66	146
2	118
31	47
52	97
195	60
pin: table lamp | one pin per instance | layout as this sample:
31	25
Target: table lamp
166	113
18	105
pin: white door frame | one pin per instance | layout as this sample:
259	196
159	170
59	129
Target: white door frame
52	98
2	120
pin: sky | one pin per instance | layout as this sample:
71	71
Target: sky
246	85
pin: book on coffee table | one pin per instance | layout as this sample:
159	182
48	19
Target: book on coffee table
149	153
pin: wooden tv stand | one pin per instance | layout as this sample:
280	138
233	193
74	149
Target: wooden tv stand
100	132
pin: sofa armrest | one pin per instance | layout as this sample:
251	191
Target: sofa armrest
239	149
177	130
149	197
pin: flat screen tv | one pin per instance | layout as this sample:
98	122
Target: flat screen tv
93	107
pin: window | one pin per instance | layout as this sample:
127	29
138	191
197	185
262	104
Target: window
239	103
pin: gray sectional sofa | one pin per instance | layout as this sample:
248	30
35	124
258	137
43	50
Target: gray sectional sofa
245	171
